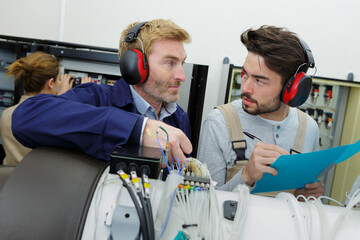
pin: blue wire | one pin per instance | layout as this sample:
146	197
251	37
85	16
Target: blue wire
168	214
157	136
180	171
172	164
178	162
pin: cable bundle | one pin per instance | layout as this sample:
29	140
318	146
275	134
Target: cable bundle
327	232
144	209
165	202
195	205
190	195
355	199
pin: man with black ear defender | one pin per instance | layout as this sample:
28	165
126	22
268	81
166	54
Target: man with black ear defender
273	84
97	118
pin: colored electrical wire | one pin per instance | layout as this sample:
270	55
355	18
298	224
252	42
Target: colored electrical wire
166	146
146	187
172	198
152	229
136	183
178	163
180	171
146	214
167	135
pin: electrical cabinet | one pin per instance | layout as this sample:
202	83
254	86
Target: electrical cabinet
326	105
101	64
7	56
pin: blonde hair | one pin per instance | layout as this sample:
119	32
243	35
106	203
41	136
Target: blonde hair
34	70
154	30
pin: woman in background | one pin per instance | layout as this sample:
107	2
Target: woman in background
39	72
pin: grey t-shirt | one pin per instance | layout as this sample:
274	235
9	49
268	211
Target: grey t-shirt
215	147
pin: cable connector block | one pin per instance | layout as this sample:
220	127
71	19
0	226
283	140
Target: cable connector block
143	160
190	180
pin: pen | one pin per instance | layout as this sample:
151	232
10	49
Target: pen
252	136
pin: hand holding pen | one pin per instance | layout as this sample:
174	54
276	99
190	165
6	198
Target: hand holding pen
263	155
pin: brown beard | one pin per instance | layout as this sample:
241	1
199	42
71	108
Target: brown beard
270	107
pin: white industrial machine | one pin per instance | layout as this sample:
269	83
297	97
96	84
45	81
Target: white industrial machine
56	193
214	214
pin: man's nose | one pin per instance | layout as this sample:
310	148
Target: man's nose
180	74
247	86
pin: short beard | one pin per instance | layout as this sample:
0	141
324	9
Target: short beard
160	96
270	107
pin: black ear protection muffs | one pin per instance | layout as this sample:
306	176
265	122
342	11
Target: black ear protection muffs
134	67
297	88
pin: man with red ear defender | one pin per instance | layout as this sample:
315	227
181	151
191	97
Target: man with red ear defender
97	118
273	84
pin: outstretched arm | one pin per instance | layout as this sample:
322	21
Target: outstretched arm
85	120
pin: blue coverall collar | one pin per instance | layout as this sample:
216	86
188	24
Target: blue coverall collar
121	95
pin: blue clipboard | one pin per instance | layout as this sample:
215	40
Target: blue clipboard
297	170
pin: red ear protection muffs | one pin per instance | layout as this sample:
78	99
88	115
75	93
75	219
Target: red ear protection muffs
134	67
297	89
